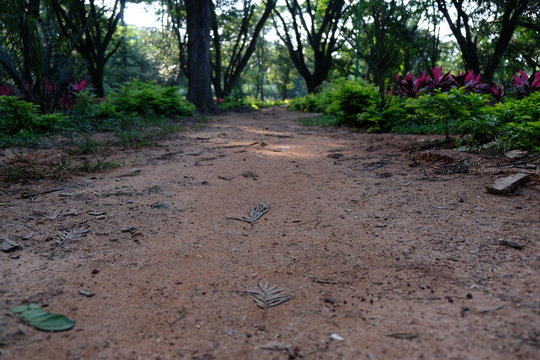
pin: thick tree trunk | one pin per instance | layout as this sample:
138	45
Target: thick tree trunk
97	74
199	14
510	20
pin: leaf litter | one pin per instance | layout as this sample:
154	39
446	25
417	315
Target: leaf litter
268	296
254	214
71	235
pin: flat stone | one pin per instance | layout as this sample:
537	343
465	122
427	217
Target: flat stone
226	177
7	245
507	184
515	154
86	293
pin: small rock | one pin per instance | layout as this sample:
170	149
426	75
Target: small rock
226	177
511	244
192	153
86	293
128	229
515	154
15	256
336	337
96	213
276	346
54	216
7	245
507	184
161	205
72	212
335	156
28	236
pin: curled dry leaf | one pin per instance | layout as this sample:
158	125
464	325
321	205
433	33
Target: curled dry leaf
268	296
256	212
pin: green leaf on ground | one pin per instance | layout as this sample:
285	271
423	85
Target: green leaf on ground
40	319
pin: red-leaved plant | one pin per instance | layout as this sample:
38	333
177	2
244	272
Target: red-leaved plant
68	99
6	90
409	86
525	85
439	80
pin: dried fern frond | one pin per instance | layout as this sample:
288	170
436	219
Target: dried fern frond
71	235
268	296
256	212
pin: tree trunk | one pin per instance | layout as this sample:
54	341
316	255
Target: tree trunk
199	14
97	75
509	23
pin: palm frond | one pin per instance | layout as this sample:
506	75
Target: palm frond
268	296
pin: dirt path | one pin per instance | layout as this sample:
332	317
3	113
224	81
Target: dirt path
372	243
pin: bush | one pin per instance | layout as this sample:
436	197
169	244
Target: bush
343	99
384	119
517	123
148	99
347	99
308	103
455	109
18	115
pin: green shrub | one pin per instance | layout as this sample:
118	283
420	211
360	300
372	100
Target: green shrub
517	123
308	103
384	119
18	115
148	99
234	104
455	109
343	99
348	99
23	138
320	120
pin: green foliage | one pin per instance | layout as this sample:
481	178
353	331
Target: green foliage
320	120
307	103
453	109
342	99
347	99
88	146
139	132
148	99
517	123
384	119
233	104
23	138
247	104
509	125
17	115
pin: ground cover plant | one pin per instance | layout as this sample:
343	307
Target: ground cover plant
138	113
436	102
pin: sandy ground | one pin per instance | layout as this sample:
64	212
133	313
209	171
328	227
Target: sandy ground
384	255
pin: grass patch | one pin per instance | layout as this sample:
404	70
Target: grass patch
23	170
88	146
26	169
145	132
320	120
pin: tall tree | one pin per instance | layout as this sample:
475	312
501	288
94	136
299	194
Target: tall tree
198	17
90	28
176	11
470	19
241	38
31	53
315	24
382	40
